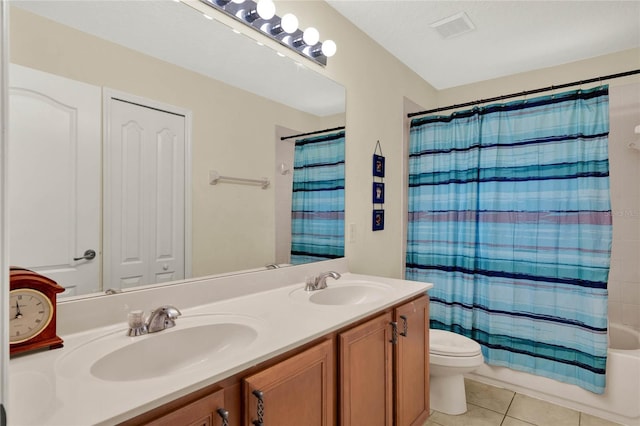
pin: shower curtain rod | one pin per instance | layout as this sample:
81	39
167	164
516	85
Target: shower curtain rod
526	92
311	133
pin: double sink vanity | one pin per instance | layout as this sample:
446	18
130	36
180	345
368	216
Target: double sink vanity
256	348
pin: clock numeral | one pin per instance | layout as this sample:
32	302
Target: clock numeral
38	320
19	297
41	312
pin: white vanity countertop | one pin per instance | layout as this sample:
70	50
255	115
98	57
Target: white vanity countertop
53	388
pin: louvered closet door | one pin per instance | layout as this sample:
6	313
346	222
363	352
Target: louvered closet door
144	195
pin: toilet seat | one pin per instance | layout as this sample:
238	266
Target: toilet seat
447	343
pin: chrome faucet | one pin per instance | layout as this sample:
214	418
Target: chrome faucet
162	318
320	282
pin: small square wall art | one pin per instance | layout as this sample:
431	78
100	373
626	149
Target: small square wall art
378	220
378	193
378	165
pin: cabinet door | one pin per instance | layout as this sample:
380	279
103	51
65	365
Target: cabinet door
297	391
366	374
202	412
412	363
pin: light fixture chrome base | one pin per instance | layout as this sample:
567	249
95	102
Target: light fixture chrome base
245	12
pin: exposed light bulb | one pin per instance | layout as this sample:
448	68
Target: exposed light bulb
266	9
289	23
329	48
311	36
238	1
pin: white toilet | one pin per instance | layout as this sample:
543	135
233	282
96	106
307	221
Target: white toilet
450	356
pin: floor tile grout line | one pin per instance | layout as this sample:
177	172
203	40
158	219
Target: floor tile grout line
509	407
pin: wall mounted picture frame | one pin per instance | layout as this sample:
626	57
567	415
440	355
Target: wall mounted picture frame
378	193
378	220
378	165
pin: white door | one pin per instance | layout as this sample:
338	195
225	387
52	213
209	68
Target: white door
54	177
144	195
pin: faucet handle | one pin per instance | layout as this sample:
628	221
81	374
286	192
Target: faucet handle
137	326
310	283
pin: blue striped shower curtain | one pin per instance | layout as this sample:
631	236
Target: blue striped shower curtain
317	212
510	218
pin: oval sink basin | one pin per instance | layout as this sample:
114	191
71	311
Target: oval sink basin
168	352
193	342
344	293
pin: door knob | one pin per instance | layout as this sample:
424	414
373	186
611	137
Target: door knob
88	255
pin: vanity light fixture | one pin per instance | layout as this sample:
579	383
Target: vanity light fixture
261	16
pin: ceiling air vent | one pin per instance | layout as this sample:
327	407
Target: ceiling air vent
454	25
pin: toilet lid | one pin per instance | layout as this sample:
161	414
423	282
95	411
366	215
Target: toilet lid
442	342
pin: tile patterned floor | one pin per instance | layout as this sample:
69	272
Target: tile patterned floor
492	406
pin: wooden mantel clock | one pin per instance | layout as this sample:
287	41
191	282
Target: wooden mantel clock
32	313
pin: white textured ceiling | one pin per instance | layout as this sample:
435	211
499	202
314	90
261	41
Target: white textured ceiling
510	36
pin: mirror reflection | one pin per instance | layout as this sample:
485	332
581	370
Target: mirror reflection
123	112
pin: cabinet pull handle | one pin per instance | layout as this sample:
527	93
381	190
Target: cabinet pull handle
260	410
405	326
224	414
394	332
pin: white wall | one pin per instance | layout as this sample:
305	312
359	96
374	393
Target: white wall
377	85
624	162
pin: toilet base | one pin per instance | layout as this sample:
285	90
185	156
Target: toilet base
447	394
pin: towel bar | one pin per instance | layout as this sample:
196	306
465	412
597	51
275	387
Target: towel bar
215	177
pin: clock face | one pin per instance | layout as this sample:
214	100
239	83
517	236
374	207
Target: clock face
29	314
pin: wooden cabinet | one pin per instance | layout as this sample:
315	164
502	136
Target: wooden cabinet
217	405
203	412
366	387
297	391
384	374
411	356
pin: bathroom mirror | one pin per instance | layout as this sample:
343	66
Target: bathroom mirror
238	97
